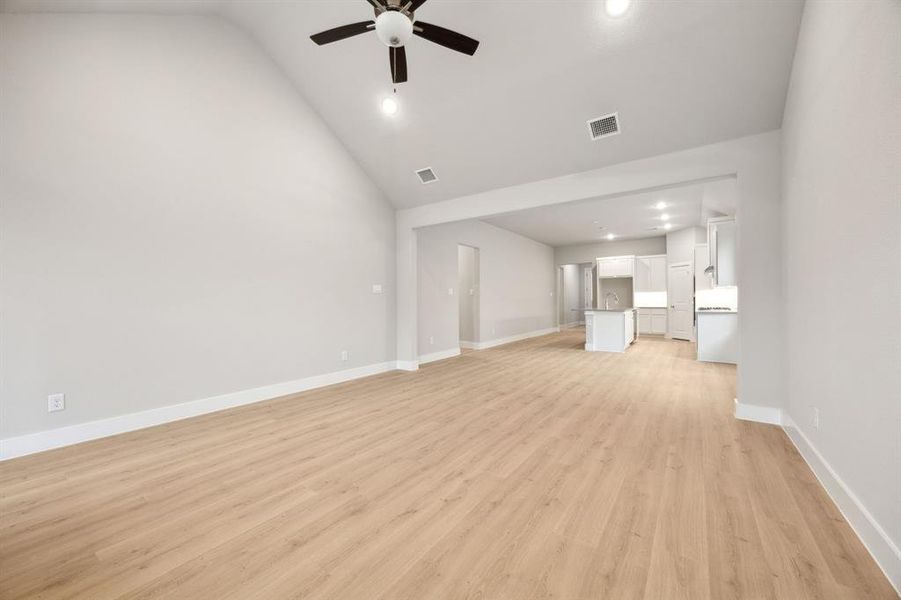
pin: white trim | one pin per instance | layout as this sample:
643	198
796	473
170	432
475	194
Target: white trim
440	355
468	345
875	539
407	365
515	338
758	414
82	432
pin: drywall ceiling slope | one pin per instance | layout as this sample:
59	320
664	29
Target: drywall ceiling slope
114	6
680	75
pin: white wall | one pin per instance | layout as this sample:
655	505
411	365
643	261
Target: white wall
176	222
680	245
842	227
516	281
582	253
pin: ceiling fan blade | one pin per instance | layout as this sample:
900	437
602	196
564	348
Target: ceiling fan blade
343	32
445	37
376	4
398	58
414	4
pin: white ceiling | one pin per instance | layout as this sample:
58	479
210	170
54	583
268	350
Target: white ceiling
680	74
626	217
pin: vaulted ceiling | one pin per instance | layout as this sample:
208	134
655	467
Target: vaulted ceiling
680	74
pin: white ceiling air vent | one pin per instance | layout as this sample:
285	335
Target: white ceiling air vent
602	127
427	175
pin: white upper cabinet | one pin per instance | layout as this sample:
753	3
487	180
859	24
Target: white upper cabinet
650	273
722	247
616	266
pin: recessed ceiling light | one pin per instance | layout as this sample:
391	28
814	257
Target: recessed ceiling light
389	106
617	8
664	217
610	236
660	205
667	225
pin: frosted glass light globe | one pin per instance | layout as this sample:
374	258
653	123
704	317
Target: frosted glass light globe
393	28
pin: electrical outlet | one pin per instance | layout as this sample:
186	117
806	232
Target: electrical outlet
344	355
816	418
56	402
431	340
376	288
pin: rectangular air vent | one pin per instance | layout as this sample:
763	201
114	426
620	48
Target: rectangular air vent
427	175
605	126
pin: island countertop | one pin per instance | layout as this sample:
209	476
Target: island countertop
618	310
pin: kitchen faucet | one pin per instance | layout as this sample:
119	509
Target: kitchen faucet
607	299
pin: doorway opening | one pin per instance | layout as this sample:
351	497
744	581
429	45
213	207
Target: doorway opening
468	295
576	291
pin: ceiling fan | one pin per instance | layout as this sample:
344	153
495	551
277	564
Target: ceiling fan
394	25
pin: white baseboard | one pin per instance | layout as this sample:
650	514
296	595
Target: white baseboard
884	551
440	355
515	338
469	345
407	365
82	432
758	414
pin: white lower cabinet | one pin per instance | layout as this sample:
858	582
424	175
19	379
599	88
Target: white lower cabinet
718	336
651	320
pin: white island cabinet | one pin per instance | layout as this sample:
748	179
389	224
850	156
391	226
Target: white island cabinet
718	336
609	330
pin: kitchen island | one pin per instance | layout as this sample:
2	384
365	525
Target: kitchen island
718	335
609	330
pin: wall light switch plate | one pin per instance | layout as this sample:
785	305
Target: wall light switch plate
450	291
344	355
376	288
56	402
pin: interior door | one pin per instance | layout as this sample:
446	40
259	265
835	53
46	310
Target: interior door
681	301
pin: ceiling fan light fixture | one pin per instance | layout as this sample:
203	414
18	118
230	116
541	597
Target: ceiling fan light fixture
617	8
389	106
393	28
